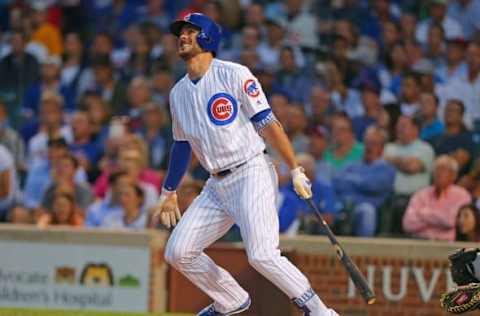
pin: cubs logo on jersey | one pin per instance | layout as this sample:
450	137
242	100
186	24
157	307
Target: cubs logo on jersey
250	88
222	109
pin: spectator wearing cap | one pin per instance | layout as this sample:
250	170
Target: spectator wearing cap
11	140
293	212
19	68
466	12
51	126
425	70
50	80
344	149
432	211
467	87
374	113
457	140
455	66
365	185
438	10
44	32
431	125
8	183
318	144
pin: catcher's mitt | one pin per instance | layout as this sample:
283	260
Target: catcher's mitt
461	299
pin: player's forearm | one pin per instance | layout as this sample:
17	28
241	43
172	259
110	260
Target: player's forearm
276	137
180	156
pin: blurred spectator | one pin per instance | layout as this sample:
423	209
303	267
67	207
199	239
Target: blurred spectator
432	211
345	149
408	25
63	212
114	17
391	72
318	144
294	214
295	127
320	107
99	115
51	126
366	185
302	25
19	68
438	10
154	12
466	12
466	88
169	58
162	82
435	46
374	113
471	182
291	77
140	62
11	140
390	36
157	134
131	215
63	180
455	66
45	32
431	125
269	49
467	224
111	90
39	177
74	63
425	70
410	94
138	98
49	81
457	140
8	183
85	149
412	157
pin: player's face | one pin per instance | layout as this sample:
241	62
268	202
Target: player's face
187	43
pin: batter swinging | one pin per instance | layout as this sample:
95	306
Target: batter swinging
219	110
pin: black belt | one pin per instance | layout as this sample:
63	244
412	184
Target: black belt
226	172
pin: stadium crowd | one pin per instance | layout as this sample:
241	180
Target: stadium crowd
380	98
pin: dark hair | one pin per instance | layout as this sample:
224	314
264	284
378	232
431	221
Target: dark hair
476	214
113	177
459	103
435	97
71	158
57	142
70	199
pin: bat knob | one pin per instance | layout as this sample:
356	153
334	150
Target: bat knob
371	301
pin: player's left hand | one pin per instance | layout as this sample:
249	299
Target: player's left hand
301	184
166	211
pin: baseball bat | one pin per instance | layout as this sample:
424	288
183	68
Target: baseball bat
357	277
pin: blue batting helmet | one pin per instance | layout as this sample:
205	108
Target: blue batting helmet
210	32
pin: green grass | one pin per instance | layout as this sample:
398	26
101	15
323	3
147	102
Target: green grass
49	312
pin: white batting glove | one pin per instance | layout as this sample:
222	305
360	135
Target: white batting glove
301	184
166	211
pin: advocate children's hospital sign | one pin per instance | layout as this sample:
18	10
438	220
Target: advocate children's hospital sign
94	277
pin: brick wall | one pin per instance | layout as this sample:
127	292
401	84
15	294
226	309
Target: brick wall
408	277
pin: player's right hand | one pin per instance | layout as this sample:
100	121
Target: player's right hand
166	211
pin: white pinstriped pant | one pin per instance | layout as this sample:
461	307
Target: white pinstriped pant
245	197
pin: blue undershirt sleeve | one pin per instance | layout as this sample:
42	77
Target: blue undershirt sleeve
180	156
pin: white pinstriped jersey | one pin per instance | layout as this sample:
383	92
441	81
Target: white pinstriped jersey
214	114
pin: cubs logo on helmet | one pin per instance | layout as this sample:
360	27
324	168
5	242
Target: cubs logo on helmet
250	87
222	109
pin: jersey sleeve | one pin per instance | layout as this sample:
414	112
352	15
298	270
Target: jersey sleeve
177	130
251	94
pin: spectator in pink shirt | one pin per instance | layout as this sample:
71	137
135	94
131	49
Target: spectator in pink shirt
432	211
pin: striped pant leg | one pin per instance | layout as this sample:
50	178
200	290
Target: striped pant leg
252	204
202	224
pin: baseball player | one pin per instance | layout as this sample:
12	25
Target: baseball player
220	112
